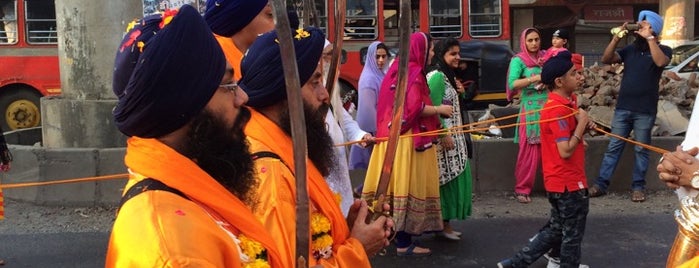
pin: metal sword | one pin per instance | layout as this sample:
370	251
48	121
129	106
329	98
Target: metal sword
298	126
394	131
340	9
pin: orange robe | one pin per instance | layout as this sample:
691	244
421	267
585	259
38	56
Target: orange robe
233	54
277	196
163	229
694	262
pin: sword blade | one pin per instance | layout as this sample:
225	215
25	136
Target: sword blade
334	71
298	124
394	131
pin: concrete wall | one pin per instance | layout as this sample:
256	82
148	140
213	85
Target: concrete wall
38	164
492	167
494	164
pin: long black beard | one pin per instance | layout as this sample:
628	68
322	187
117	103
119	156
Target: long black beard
320	144
223	152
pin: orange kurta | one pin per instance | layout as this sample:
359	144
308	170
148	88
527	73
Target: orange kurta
233	54
694	262
162	229
277	195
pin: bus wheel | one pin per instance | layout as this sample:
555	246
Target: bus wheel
21	109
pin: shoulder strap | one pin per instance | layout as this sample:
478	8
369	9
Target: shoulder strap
148	184
268	154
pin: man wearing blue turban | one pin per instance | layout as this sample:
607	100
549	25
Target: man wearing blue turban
644	61
236	24
269	136
179	104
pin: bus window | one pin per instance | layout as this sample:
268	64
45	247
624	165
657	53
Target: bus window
41	22
485	18
361	20
445	18
8	17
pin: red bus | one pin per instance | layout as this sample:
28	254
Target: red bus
28	60
372	20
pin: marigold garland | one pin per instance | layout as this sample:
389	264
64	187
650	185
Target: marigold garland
254	251
322	243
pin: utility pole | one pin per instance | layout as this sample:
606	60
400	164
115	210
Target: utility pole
678	21
88	35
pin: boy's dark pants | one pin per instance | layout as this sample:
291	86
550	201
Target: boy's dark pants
565	228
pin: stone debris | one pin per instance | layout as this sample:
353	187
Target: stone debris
601	88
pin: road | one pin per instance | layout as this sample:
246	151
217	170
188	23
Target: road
626	241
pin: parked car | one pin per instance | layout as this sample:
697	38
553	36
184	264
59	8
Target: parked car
682	52
685	68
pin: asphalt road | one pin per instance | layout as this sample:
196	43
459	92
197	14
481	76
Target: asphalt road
626	241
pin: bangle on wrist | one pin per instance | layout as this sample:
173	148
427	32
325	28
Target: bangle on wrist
650	37
436	112
577	137
530	80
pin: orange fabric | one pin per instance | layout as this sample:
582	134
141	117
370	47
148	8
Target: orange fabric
277	195
141	235
694	262
233	54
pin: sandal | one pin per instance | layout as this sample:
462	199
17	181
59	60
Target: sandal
638	196
410	251
523	198
595	191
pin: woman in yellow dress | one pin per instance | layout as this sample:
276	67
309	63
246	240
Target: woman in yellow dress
414	187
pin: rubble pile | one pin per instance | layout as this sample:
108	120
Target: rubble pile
601	88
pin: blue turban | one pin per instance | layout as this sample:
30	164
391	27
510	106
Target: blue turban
263	75
556	66
228	17
166	70
655	20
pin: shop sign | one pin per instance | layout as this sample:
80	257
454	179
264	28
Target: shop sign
608	13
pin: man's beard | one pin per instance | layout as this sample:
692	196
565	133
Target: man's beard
641	43
223	153
320	144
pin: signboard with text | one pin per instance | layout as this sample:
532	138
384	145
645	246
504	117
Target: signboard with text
608	14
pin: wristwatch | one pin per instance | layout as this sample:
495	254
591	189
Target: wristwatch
695	180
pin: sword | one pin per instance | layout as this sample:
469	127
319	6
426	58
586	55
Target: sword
394	131
298	129
340	7
309	13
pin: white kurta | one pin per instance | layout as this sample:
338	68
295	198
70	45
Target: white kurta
339	179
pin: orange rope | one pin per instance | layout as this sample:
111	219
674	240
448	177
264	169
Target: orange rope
98	178
467	128
455	129
649	147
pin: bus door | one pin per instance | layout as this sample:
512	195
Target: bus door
391	9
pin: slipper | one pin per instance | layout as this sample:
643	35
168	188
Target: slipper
595	191
410	251
523	198
638	196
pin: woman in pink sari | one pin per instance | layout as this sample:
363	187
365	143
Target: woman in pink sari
414	187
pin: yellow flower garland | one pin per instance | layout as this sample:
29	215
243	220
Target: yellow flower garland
256	253
322	240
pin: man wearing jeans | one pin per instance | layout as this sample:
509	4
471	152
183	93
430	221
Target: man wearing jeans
638	99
